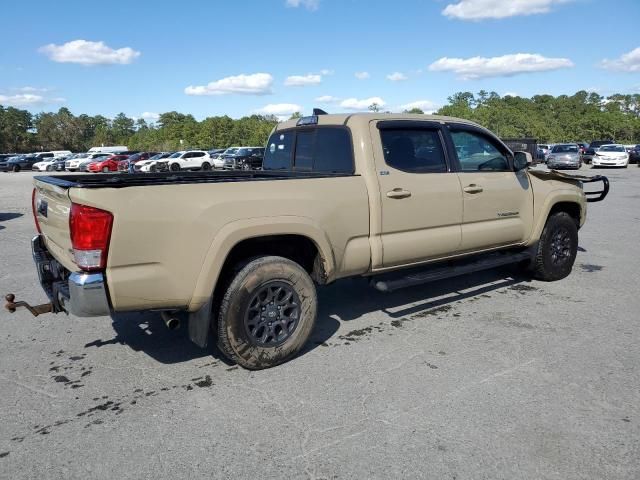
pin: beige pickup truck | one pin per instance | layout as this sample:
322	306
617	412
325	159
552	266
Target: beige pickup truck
403	199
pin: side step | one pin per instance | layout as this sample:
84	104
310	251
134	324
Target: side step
391	282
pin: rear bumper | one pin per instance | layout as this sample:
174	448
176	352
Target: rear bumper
80	293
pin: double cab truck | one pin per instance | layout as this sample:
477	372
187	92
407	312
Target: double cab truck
402	199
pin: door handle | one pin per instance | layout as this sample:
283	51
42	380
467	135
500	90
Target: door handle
473	188
398	193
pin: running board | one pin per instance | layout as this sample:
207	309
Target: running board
391	282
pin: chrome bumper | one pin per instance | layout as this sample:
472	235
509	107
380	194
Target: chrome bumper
81	293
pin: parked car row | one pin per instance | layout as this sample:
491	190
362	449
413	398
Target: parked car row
600	153
120	159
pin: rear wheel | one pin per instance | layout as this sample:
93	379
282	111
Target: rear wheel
557	248
267	313
49	168
206	166
16	168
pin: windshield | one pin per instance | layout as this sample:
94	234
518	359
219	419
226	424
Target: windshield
612	148
157	157
176	155
230	151
243	151
565	149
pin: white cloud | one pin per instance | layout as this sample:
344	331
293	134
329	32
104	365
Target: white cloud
89	53
150	116
303	80
482	9
32	90
280	109
28	100
363	104
427	106
504	66
327	99
326	71
627	62
362	75
308	4
397	77
254	84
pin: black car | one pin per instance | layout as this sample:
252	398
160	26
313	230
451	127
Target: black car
590	152
634	155
245	158
21	162
4	158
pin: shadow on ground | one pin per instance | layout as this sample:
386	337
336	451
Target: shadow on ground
4	216
344	301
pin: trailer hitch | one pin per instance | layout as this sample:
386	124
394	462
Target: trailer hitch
35	310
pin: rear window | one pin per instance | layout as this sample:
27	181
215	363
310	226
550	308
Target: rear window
322	149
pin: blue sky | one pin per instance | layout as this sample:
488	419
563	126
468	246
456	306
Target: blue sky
244	56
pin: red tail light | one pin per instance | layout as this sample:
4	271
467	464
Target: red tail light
35	210
90	234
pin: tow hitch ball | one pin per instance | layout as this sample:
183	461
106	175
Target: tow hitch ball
35	310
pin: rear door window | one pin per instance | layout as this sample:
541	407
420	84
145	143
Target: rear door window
415	150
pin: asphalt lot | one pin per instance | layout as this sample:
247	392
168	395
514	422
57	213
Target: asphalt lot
486	376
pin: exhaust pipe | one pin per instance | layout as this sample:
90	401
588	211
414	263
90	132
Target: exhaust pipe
172	322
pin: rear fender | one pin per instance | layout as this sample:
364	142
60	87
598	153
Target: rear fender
233	233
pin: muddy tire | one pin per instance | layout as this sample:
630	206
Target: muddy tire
267	313
557	249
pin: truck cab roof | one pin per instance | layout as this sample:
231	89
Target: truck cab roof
344	118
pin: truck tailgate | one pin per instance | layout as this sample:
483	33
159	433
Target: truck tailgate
52	206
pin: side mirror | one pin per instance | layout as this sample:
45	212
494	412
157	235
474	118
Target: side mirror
521	160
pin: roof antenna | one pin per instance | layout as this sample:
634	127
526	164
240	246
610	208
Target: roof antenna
319	111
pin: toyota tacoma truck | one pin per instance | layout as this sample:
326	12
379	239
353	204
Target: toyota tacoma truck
402	199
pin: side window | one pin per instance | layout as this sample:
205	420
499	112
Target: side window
414	150
197	154
477	152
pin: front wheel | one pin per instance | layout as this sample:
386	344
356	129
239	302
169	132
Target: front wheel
49	168
174	167
267	313
557	248
16	168
206	166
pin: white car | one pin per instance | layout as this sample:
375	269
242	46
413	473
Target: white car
613	155
219	160
189	160
48	158
150	164
42	166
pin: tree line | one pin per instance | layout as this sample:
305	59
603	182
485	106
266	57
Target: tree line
584	116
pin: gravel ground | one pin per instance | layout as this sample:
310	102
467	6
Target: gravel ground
486	376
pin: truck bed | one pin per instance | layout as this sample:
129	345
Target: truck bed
120	180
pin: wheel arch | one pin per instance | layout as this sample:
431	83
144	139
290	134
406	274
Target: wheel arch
296	238
566	201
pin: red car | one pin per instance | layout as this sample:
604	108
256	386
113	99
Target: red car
109	164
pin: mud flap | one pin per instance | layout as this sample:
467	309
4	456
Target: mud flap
200	324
